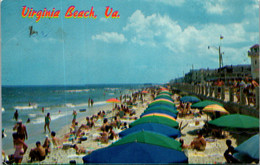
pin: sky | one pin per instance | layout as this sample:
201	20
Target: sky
153	41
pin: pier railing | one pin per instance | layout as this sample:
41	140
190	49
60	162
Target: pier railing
235	99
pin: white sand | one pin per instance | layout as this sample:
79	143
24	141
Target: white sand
212	154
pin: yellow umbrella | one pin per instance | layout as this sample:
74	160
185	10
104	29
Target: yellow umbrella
160	114
215	108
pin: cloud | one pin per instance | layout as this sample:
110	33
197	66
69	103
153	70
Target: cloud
112	37
161	31
214	7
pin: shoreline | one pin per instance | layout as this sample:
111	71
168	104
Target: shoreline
65	129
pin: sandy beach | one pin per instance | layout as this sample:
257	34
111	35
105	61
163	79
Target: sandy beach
211	155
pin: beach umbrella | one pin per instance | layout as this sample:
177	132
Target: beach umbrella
166	92
250	147
191	99
150	137
162	107
202	104
136	152
154	127
155	119
160	112
164	97
113	100
161	102
145	92
215	108
164	89
236	121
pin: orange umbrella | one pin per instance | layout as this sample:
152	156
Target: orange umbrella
164	89
145	92
160	114
113	100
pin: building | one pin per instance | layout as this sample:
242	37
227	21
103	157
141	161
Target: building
253	53
228	72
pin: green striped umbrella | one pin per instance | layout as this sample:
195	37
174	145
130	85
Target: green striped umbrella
156	119
161	102
164	97
166	92
236	121
150	137
202	104
161	107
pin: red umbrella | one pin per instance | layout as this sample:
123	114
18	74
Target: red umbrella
145	92
113	100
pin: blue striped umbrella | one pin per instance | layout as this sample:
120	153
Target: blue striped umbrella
191	99
155	127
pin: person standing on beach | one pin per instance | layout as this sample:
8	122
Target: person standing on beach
47	122
74	117
20	148
89	102
16	115
92	102
21	130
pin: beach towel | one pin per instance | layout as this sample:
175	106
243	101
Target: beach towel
197	154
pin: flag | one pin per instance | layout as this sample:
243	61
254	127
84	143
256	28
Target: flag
221	37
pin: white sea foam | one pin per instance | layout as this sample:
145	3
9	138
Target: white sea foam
77	90
70	105
32	115
26	107
86	104
100	103
40	120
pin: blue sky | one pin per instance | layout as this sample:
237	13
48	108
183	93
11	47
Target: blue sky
153	41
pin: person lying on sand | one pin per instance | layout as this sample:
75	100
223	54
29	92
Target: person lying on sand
124	126
198	143
116	122
104	135
80	149
105	123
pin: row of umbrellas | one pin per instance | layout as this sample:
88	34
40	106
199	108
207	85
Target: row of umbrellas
248	151
149	139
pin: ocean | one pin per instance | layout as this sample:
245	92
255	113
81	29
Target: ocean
59	101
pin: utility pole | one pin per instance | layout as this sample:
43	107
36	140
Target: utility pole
219	52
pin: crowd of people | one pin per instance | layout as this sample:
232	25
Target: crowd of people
107	130
247	84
